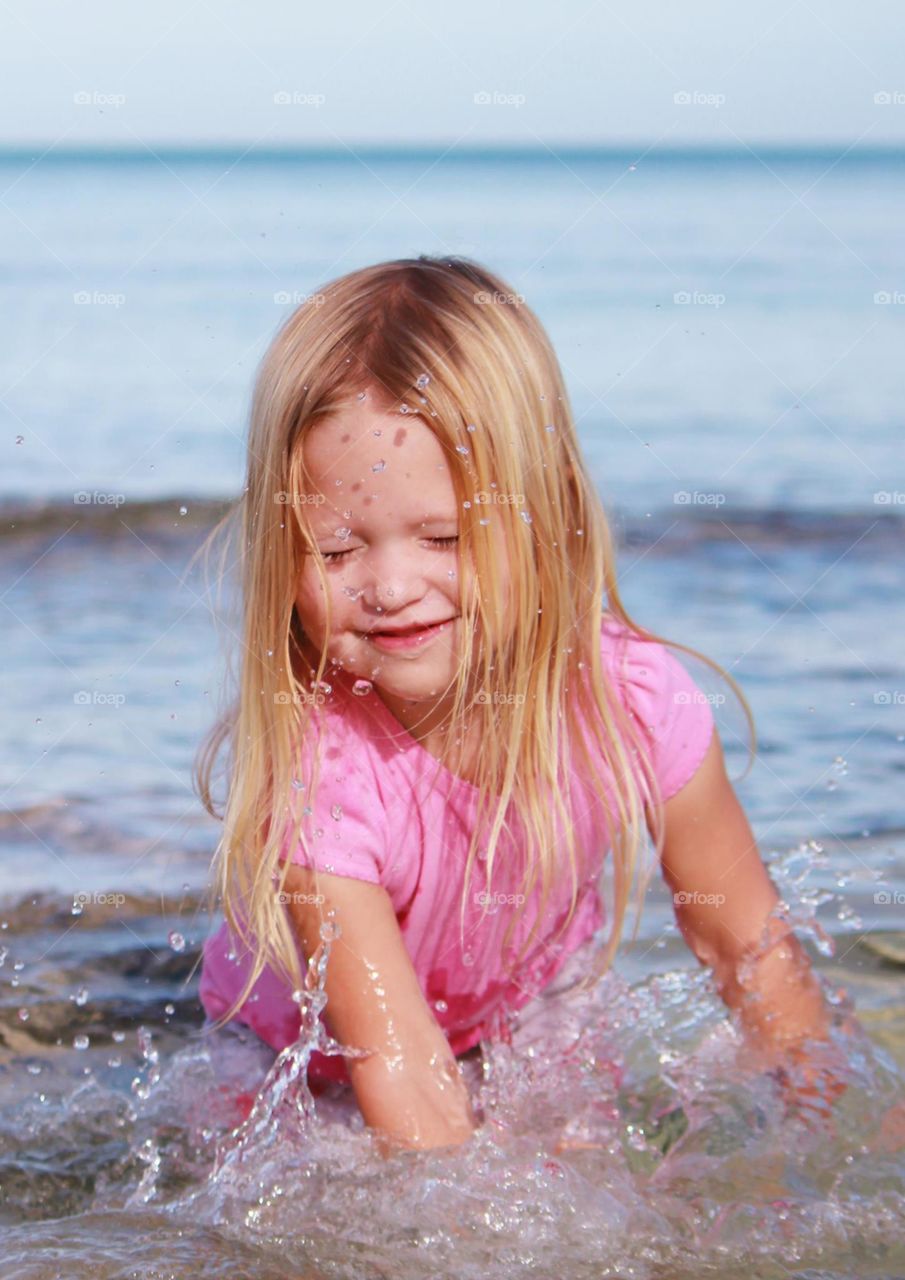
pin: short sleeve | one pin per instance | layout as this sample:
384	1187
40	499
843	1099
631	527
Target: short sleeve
674	711
343	820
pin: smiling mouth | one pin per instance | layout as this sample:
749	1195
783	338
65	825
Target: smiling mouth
410	631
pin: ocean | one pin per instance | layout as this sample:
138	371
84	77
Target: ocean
730	326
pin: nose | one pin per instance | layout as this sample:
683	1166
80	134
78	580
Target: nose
391	580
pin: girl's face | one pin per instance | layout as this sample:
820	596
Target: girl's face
387	524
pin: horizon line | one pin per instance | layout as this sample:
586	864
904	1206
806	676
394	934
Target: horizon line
233	149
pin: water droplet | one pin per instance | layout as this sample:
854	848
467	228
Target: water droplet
549	427
468	959
463	449
77	907
525	516
81	1042
361	395
379	465
81	995
176	940
471	427
467	505
23	1015
329	931
484	521
347	515
362	687
441	1006
323	686
579	533
423	381
336	812
297	785
183	511
840	765
20	439
169	1010
378	432
342	533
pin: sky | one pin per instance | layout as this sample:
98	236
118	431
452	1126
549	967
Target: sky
469	74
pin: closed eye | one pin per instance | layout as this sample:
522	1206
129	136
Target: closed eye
331	556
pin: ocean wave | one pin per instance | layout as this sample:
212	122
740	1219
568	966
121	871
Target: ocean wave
667	527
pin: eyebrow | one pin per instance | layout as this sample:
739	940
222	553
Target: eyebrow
427	522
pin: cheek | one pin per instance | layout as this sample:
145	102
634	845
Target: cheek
310	602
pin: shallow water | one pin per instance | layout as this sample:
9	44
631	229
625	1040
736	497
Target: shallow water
624	1131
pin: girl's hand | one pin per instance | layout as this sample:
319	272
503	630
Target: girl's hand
811	1078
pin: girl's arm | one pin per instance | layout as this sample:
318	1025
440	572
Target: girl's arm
722	897
410	1090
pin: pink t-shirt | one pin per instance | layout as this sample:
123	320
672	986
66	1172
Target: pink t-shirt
376	818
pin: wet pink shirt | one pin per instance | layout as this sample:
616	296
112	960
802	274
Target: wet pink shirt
380	820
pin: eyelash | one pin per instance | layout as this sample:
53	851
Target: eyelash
331	556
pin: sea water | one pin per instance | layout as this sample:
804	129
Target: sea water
749	452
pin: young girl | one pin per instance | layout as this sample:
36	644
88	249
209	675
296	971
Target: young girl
446	719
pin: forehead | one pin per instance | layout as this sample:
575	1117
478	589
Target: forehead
373	461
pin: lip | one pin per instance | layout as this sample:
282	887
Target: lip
407	639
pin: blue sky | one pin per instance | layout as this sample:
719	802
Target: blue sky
472	73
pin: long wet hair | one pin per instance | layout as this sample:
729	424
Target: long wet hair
444	338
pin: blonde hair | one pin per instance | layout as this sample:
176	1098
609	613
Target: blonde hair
490	366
